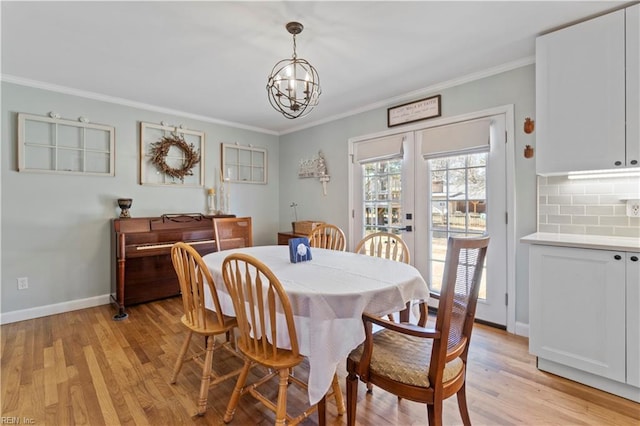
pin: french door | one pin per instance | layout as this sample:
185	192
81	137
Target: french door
434	183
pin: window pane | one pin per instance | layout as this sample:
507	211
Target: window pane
97	140
457	162
458	206
382	186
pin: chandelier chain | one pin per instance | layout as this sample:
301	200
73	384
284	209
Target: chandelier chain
294	47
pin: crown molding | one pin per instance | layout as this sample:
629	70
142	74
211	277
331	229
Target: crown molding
380	104
416	94
125	102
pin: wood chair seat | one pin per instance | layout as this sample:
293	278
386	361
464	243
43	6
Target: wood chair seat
212	327
282	358
404	359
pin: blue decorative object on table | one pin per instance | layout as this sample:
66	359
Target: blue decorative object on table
299	250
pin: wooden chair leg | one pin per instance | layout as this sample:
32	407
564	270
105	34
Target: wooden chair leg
462	405
183	351
322	411
434	412
337	393
369	388
281	405
352	398
237	390
206	377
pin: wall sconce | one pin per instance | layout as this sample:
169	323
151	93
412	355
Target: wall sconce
529	125
528	151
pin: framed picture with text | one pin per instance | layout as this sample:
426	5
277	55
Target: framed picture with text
414	111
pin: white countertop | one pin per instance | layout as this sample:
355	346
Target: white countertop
584	241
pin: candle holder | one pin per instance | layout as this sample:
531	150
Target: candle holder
125	205
211	202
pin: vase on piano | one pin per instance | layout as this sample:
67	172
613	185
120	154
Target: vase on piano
125	205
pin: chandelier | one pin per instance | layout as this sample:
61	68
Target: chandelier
294	85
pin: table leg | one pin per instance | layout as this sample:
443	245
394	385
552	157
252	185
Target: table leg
405	313
338	395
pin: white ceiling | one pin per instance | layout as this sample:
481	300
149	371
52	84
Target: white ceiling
211	60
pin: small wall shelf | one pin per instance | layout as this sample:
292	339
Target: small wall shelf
55	145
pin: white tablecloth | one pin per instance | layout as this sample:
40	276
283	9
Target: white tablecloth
328	296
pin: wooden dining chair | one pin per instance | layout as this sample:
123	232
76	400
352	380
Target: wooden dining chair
328	236
385	245
265	317
193	275
232	232
423	364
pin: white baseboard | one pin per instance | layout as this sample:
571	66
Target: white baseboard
522	329
57	308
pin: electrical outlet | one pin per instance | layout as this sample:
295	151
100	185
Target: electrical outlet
633	208
23	283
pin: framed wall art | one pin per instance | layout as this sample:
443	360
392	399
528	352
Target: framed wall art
56	145
243	164
414	111
171	155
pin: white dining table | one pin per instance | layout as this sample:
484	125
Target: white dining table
328	295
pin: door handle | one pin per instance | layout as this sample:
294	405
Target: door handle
407	228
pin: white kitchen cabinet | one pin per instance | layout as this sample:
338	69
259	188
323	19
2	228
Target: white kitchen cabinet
633	319
633	83
577	313
584	97
584	320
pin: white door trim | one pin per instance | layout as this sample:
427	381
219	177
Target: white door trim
508	111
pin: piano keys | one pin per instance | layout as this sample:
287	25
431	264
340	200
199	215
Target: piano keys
143	270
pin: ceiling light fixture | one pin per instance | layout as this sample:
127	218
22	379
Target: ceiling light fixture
294	85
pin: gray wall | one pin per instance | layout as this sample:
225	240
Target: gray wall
56	228
515	87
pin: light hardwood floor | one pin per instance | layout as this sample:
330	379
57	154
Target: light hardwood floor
84	368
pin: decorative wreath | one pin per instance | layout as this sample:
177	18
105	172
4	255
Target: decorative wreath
160	149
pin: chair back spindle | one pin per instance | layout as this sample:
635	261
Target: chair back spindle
328	236
193	275
260	303
385	245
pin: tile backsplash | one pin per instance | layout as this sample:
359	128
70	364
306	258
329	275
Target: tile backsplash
589	206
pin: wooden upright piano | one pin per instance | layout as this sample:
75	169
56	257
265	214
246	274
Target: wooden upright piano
142	253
